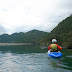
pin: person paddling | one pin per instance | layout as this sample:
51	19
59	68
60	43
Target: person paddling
54	47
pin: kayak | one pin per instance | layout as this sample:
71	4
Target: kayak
55	54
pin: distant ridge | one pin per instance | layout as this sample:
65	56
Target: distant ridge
33	36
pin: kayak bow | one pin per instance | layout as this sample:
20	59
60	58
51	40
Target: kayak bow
55	54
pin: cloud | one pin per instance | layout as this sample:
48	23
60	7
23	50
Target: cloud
25	15
2	30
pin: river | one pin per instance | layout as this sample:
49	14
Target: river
33	59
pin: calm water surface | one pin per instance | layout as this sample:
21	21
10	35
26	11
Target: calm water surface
33	59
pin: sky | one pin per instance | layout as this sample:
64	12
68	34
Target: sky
26	15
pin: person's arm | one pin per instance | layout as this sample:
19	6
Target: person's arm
49	47
59	47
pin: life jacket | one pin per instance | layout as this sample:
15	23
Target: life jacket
53	47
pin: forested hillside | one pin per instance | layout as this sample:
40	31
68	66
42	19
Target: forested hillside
63	32
64	27
33	36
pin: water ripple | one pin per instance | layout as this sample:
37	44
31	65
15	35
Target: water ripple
31	62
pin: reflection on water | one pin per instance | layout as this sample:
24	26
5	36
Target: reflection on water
17	59
22	49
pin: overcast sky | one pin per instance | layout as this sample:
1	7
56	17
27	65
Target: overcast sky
26	15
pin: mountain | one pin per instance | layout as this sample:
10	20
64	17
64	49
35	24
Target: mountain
33	36
63	32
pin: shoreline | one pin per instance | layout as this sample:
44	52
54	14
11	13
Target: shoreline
9	44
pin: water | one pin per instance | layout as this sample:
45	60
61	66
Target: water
33	59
